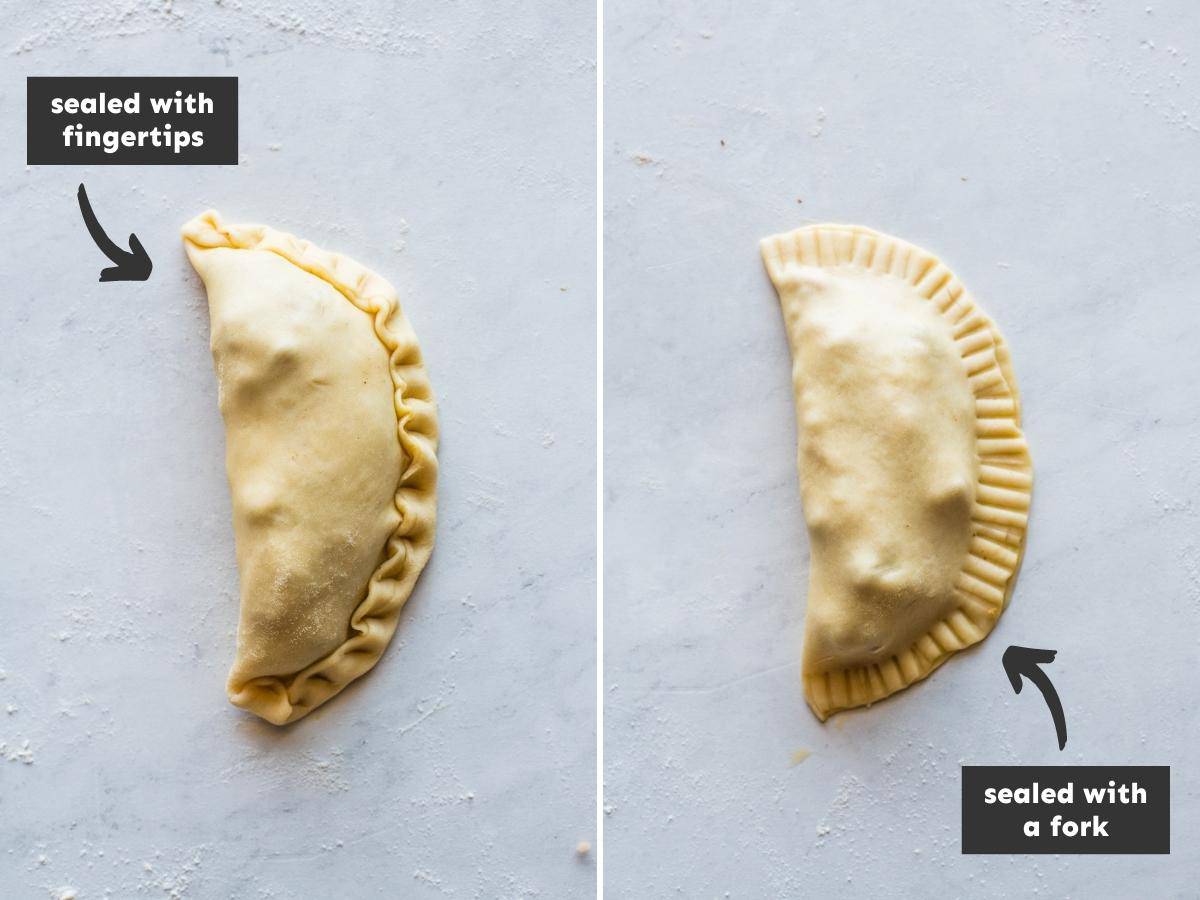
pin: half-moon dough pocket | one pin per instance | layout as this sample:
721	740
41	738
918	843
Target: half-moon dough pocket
331	436
914	474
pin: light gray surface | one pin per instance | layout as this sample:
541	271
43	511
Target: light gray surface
1047	152
450	147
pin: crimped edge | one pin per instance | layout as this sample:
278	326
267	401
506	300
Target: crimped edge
999	517
284	699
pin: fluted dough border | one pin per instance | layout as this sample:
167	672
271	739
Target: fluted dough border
1002	494
283	699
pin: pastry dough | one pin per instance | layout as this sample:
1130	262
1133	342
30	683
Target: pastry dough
331	435
915	477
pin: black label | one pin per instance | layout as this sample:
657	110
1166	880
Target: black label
131	121
1066	809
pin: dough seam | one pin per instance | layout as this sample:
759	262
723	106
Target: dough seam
1003	488
284	699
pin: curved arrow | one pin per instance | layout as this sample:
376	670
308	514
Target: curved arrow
131	265
1026	661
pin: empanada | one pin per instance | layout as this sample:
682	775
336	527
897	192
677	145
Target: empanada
914	474
331	436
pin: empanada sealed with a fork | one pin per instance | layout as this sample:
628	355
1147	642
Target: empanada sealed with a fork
915	476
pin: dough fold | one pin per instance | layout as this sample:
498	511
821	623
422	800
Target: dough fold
915	475
331	439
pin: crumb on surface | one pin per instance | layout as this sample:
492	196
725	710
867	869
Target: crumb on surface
799	756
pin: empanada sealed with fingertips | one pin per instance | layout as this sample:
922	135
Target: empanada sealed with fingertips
331	435
915	476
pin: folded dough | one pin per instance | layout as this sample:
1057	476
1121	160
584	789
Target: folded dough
331	435
915	477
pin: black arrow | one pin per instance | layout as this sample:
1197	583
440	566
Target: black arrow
1026	661
130	266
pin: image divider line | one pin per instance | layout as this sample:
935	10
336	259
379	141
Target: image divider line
599	851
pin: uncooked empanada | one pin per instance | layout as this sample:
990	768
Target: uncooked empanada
914	474
331	436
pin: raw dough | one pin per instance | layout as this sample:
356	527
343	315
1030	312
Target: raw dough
915	477
331	436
